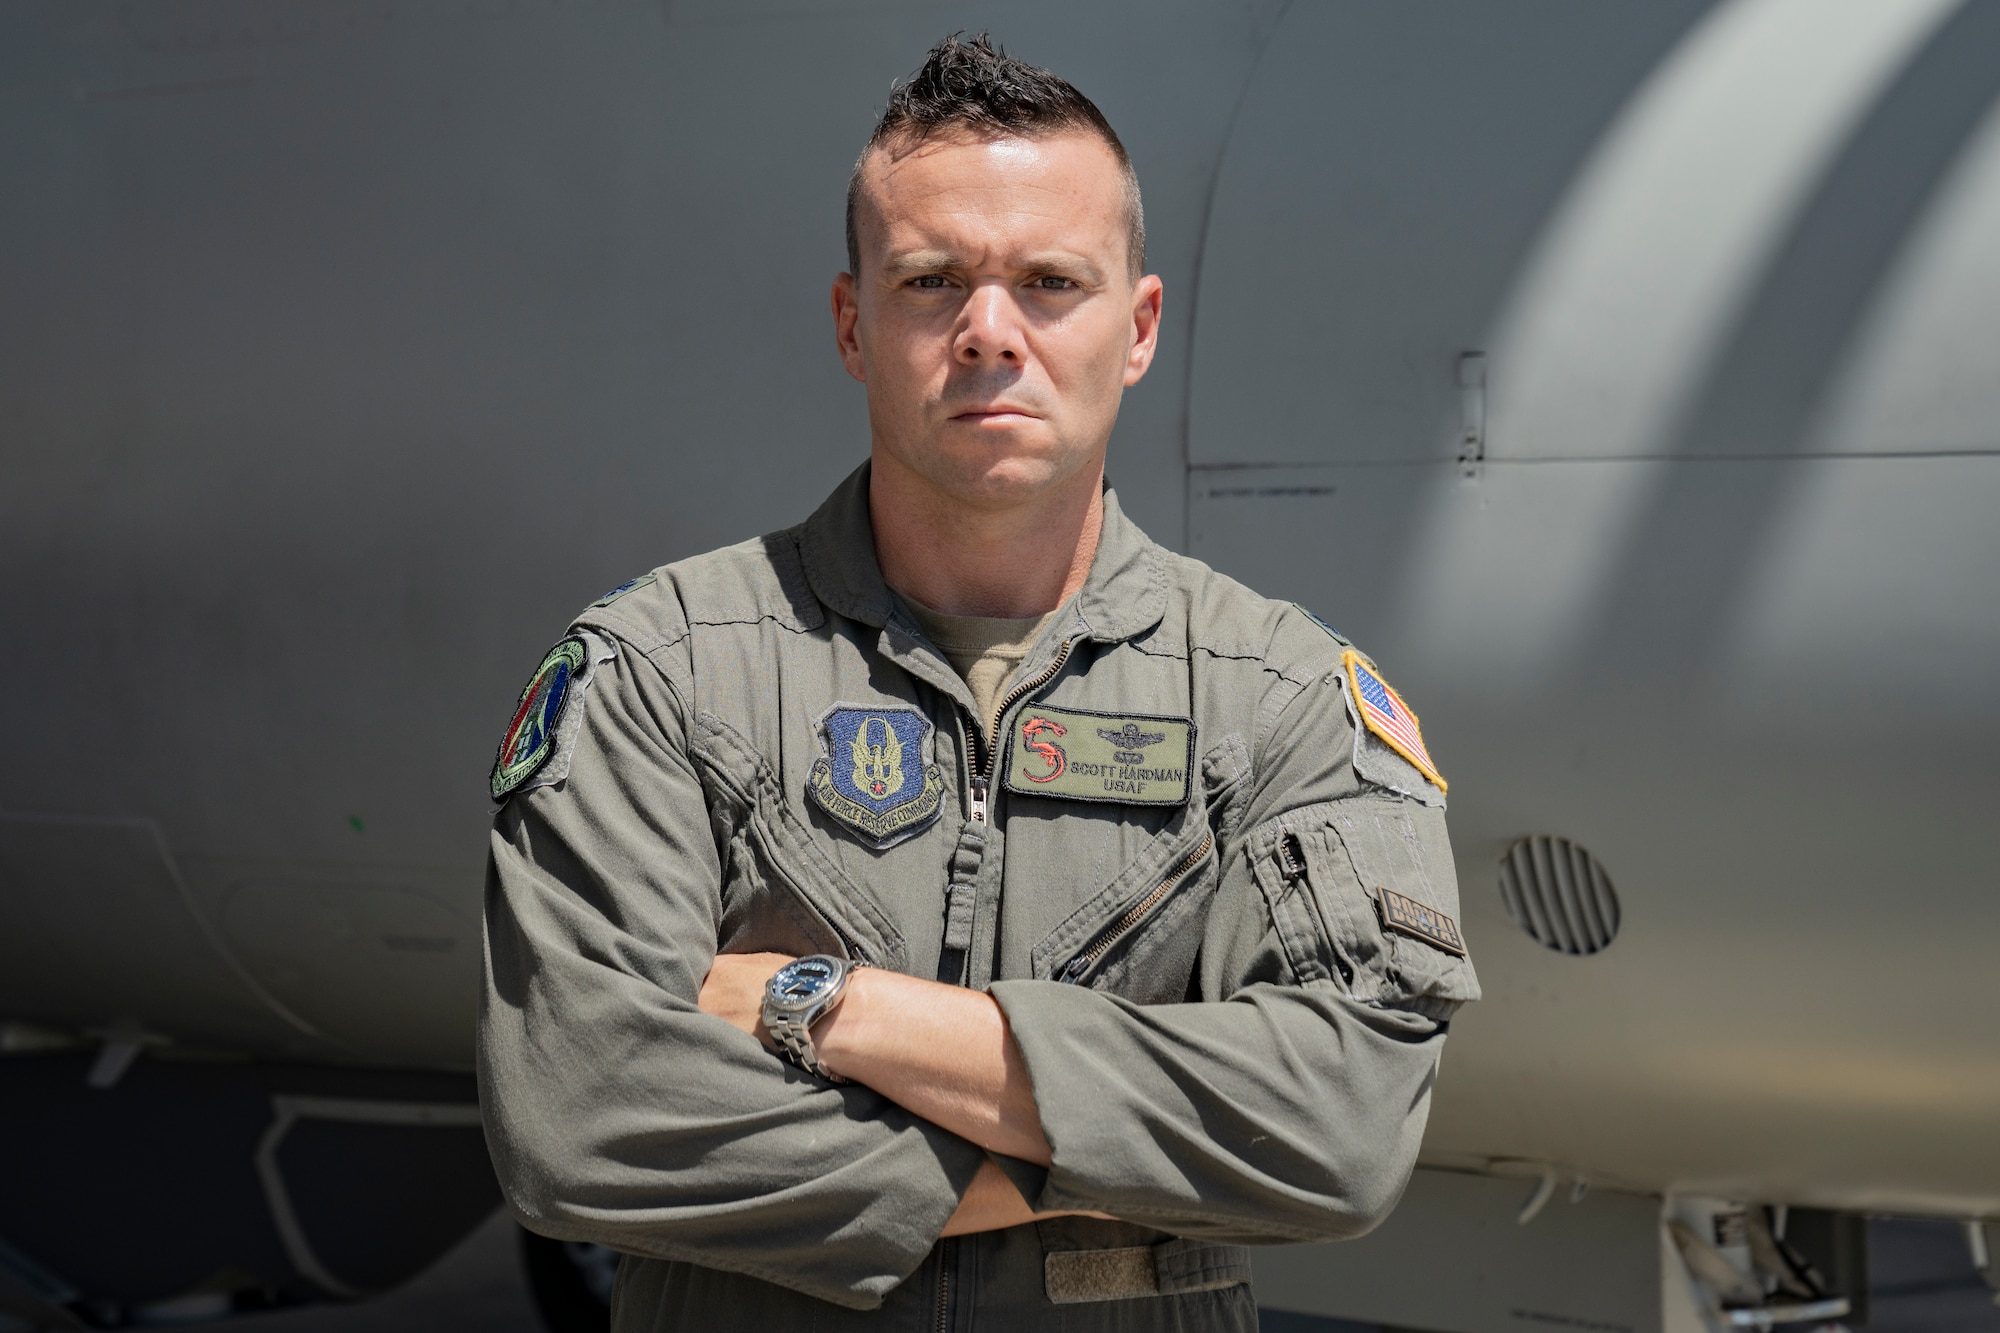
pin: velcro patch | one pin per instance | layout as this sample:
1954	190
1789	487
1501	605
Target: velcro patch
1384	713
874	773
1340	638
629	585
531	736
1125	758
1412	918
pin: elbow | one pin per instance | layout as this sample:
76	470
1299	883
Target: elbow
1347	1211
531	1183
535	1165
1358	1194
1370	1202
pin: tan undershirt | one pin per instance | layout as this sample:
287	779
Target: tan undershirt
985	652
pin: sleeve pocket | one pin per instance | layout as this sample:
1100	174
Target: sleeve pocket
1325	870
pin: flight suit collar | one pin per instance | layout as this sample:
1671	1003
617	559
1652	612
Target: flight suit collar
1124	595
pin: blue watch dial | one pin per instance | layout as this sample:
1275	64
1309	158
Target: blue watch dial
803	980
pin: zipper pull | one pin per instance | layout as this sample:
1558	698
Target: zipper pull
1291	856
1073	972
975	793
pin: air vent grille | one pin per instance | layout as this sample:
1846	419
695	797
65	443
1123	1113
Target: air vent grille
1558	893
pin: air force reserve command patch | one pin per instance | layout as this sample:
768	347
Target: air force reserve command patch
874	773
1125	758
1388	717
531	736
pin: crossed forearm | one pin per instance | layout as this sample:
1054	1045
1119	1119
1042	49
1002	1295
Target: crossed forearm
941	1052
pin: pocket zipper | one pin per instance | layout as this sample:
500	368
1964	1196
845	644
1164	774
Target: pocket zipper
787	875
1129	920
1292	865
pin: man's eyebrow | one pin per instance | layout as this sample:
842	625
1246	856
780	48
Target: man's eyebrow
1064	264
1060	263
921	261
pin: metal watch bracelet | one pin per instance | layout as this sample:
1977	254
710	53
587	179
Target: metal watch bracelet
794	1036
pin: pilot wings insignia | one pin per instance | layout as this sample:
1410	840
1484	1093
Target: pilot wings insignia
1131	742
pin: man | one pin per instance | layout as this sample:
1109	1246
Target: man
1121	894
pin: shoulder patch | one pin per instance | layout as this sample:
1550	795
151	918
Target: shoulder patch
531	736
1408	916
1124	758
1385	715
629	585
875	772
1339	638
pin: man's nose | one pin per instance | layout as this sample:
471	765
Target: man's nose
990	328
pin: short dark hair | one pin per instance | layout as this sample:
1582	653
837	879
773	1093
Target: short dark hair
976	86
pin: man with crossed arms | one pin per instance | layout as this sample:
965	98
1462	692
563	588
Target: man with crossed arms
959	911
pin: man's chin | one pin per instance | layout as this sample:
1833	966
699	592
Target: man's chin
997	479
992	467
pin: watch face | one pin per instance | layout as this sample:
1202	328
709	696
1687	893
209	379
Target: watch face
800	983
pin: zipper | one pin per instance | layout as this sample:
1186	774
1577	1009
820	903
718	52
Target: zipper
1133	915
981	783
1292	865
1291	858
788	876
854	952
947	1256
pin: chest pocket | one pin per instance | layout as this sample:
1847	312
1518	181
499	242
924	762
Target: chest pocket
1363	894
1146	950
780	890
1140	937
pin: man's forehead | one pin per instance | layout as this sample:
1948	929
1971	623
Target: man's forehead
998	151
958	180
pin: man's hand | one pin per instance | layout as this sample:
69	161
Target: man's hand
734	989
991	1203
943	1052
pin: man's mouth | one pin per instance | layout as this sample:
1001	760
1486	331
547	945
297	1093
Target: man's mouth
994	416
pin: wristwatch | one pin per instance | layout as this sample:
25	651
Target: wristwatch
804	991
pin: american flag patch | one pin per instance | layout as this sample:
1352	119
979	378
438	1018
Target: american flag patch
1385	714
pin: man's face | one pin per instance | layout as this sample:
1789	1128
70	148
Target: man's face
995	319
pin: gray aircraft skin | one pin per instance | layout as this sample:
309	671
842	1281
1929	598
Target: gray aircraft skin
1623	379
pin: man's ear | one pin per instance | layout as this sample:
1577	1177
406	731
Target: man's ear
846	327
1146	298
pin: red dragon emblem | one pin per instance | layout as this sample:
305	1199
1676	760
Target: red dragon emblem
1051	753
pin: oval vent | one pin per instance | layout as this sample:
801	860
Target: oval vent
1558	893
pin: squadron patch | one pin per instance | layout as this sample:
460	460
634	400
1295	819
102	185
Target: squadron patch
1126	758
874	773
1388	717
531	736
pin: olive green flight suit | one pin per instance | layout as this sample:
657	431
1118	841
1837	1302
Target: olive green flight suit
1227	1045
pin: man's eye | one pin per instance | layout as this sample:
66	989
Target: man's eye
1051	283
929	282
